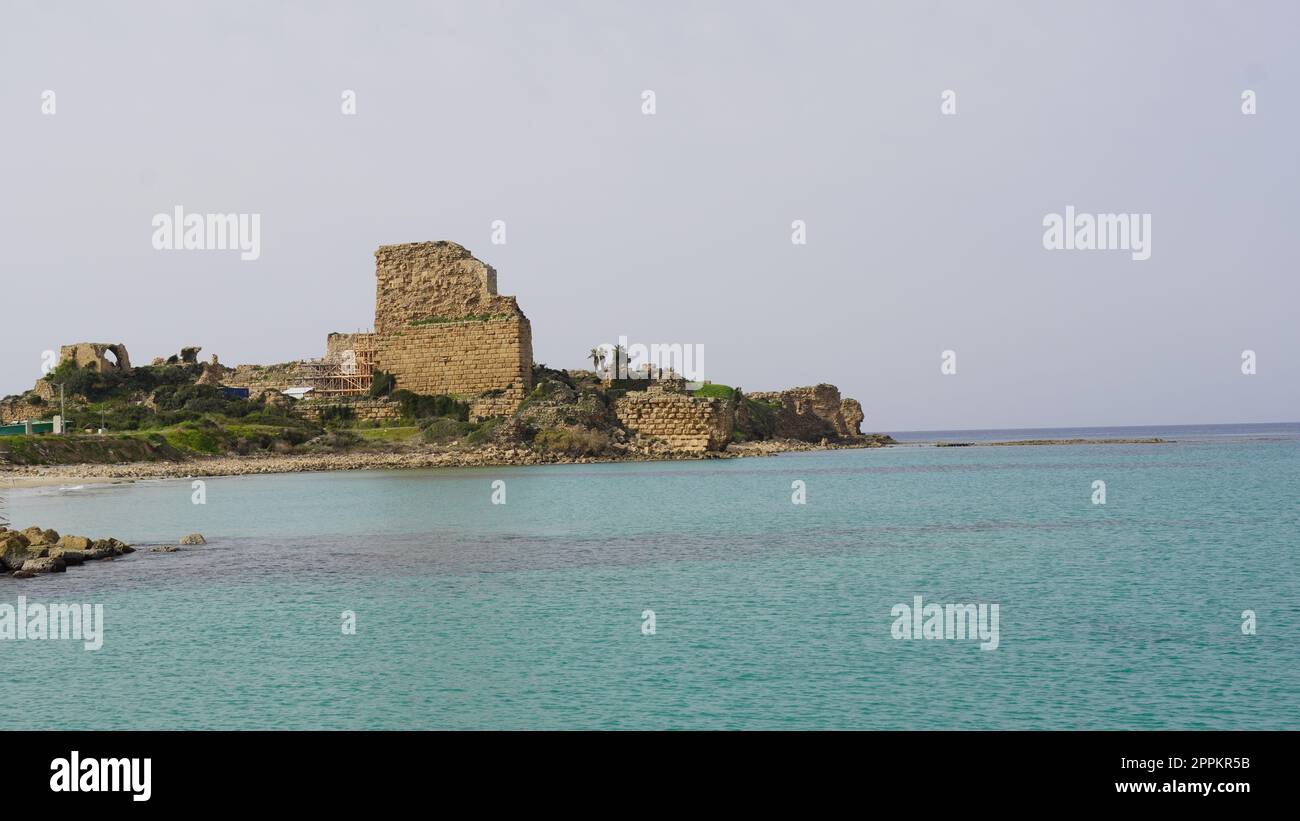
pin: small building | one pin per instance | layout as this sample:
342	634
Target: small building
30	427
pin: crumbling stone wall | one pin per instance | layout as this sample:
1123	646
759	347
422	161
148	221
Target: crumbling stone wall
441	327
338	344
363	410
20	410
264	377
684	422
495	404
422	281
813	413
95	355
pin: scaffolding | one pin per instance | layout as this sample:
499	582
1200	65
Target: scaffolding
347	374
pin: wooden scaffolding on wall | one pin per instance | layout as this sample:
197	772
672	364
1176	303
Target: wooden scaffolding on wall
343	375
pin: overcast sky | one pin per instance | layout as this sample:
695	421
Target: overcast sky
924	231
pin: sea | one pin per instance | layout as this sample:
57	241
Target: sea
757	593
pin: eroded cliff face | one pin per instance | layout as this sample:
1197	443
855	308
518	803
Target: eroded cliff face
813	413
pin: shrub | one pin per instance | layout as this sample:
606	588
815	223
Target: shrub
337	415
294	436
417	406
75	381
382	384
762	418
484	431
571	441
338	440
443	429
132	417
199	399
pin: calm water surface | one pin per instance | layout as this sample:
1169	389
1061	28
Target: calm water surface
769	614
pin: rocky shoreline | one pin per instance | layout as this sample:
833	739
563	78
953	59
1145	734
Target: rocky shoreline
488	456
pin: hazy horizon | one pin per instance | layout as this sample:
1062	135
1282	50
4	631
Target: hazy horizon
924	231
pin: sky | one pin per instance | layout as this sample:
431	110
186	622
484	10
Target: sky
924	229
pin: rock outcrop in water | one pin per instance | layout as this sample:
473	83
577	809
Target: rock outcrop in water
34	550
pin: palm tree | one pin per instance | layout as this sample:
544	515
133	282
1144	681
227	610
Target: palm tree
597	357
620	363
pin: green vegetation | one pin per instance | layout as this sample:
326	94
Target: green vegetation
387	436
571	442
418	406
712	391
100	450
444	429
98	387
382	384
484	431
160	411
199	437
762	419
337	415
442	320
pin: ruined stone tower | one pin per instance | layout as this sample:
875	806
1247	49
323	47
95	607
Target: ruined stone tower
103	357
441	327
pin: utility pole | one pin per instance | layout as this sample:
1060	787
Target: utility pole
4	512
63	414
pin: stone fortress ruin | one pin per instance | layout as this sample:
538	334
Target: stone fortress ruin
440	328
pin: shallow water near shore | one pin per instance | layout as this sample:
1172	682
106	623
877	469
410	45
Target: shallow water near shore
768	614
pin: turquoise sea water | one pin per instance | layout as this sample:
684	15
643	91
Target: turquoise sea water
768	614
